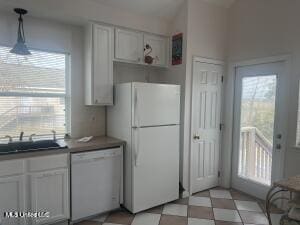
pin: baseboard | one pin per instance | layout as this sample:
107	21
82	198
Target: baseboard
61	223
185	194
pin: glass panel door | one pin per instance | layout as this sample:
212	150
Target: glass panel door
259	135
257	128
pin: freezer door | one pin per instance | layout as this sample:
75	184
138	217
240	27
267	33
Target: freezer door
155	104
155	166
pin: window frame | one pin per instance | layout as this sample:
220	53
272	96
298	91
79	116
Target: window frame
297	139
66	95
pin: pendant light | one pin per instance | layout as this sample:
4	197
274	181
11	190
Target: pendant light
20	47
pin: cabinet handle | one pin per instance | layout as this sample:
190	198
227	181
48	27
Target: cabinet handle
98	159
96	101
196	137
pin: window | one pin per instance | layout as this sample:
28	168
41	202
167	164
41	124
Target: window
33	95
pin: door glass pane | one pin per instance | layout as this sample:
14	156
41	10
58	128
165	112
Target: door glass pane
257	127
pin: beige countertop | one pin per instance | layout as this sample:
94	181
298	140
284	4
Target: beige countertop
97	143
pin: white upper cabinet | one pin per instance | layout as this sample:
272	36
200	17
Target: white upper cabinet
128	45
99	65
157	49
105	44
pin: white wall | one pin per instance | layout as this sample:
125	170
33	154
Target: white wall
205	30
261	28
176	74
124	72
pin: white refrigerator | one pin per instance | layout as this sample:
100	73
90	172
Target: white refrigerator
147	117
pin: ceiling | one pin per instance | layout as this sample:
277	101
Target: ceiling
224	3
164	9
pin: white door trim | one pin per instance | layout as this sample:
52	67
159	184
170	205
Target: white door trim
229	109
208	61
265	60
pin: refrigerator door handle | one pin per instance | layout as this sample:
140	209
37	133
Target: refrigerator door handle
137	147
136	113
135	108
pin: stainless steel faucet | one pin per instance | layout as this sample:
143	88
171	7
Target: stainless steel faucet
9	137
30	137
21	136
54	135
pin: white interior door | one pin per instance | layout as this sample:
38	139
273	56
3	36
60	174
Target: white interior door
259	127
206	107
155	166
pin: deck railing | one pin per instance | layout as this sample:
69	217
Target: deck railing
255	160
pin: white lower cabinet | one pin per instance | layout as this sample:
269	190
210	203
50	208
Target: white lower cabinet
12	198
49	193
44	190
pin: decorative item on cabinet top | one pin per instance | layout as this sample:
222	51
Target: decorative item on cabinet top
148	58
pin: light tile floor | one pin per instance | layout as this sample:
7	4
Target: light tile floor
200	201
214	207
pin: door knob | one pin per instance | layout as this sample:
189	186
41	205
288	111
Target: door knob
196	137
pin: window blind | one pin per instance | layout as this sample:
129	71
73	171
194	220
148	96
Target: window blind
32	93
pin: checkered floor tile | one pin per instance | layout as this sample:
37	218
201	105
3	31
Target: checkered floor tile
213	207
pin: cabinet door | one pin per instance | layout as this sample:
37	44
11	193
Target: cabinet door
49	193
128	45
102	69
12	199
159	47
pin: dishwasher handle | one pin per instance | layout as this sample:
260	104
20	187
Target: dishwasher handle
88	160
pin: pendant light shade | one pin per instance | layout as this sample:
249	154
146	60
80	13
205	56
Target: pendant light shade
20	47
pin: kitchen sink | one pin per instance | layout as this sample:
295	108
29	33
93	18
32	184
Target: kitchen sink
29	146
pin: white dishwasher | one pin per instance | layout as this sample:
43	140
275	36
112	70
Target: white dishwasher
96	179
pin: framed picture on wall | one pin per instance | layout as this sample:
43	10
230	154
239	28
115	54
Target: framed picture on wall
177	49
